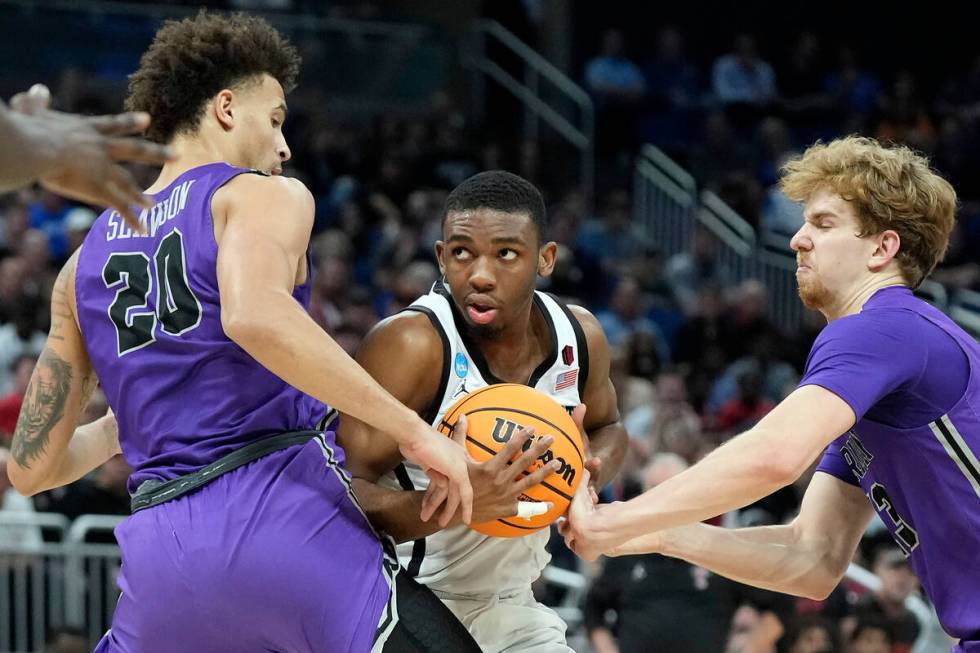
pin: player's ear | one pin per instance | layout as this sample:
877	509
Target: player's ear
889	243
221	108
547	254
440	248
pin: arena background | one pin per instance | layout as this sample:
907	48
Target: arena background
658	159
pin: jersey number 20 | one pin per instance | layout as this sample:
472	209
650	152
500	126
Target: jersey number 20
177	309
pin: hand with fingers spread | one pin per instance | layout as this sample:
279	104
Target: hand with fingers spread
499	482
444	461
76	156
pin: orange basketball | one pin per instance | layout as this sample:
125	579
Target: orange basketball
497	412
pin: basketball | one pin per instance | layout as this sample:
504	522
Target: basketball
497	412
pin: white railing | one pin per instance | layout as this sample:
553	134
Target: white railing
49	584
667	205
578	130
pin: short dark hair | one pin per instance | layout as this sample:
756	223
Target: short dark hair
499	190
873	622
193	59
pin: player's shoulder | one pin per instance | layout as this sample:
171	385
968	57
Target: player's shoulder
881	328
275	186
589	323
405	334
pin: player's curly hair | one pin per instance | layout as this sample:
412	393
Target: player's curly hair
193	59
890	188
501	191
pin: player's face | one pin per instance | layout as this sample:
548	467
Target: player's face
491	261
832	257
262	110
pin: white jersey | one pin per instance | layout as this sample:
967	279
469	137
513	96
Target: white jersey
458	561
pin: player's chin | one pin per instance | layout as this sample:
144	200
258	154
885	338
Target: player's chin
488	331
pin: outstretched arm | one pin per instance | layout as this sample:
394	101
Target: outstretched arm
752	465
807	557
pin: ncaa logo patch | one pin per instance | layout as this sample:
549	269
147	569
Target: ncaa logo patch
461	365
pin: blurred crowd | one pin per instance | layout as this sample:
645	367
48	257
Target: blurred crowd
695	356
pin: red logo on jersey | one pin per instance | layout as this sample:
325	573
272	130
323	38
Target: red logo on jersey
568	355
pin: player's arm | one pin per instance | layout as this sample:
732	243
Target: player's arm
44	453
267	224
404	355
771	455
608	440
807	557
263	228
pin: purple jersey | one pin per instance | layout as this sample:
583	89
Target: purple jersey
910	375
148	305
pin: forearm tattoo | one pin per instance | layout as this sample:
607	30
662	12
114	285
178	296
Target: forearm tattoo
43	407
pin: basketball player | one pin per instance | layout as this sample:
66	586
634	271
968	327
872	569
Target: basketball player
244	535
890	395
74	156
484	323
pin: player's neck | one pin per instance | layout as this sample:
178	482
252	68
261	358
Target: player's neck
517	352
852	301
189	153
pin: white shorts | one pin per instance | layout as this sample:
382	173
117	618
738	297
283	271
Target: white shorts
510	624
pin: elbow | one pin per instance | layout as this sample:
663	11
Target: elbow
778	462
240	324
818	589
24	480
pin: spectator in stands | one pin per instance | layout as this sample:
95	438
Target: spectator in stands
19	336
413	281
855	90
774	145
905	118
688	271
673	95
742	77
47	214
748	318
36	254
672	79
618	86
871	635
763	357
20	372
812	635
747	407
626	316
332	278
612	238
888	601
802	86
666	605
718	152
13	285
14	223
66	640
77	223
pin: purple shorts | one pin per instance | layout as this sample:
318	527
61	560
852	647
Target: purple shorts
273	556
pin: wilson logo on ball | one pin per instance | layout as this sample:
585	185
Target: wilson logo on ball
504	430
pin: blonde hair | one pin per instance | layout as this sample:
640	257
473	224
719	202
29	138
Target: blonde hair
890	188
